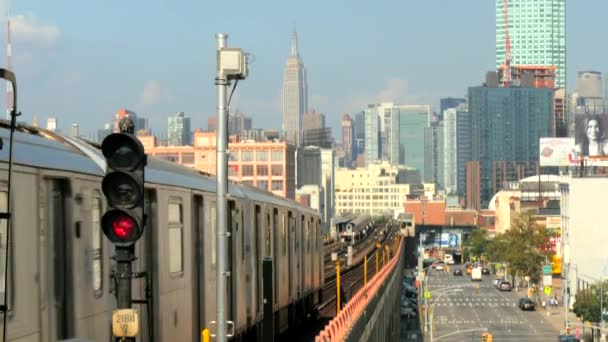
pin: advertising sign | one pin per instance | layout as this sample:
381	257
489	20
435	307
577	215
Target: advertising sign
554	222
591	136
558	152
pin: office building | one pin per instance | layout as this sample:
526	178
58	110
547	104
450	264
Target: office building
588	96
313	120
359	134
309	166
269	166
295	95
75	131
456	148
178	128
348	139
447	103
371	190
413	119
51	124
506	126
433	154
537	32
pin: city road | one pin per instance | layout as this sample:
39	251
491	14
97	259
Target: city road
480	305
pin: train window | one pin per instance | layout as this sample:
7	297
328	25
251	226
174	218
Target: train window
284	235
96	243
213	229
306	236
3	244
267	236
175	236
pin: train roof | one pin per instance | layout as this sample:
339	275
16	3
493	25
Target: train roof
45	149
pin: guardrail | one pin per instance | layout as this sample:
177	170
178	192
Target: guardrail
373	314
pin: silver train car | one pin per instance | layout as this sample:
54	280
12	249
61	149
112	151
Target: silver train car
407	224
60	265
357	228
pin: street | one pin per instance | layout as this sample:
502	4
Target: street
460	304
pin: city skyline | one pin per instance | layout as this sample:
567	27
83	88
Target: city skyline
62	61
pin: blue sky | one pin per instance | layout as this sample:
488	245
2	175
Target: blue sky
82	60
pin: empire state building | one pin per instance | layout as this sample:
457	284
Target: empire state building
295	95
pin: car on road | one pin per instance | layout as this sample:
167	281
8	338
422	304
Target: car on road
505	286
526	304
496	282
485	271
469	269
439	266
458	272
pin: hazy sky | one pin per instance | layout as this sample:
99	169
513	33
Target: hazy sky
83	60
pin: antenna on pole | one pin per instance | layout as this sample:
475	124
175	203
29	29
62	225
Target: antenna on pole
9	65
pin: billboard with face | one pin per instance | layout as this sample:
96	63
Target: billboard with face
591	135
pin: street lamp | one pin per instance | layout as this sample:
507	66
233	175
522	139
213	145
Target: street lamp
441	294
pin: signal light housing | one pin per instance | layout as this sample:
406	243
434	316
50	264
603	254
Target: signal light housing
123	186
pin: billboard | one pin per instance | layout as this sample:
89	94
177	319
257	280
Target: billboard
451	239
558	152
591	134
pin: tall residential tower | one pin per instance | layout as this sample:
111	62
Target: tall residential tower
537	31
295	95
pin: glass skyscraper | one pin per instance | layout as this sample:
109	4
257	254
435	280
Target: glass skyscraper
178	130
537	30
506	124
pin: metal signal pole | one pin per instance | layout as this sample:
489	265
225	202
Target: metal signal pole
222	83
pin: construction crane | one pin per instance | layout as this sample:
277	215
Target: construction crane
507	74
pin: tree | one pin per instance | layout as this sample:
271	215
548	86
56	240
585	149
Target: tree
477	242
587	303
524	247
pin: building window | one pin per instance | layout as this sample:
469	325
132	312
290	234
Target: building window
277	170
263	185
262	170
175	226
247	170
247	156
261	155
277	185
276	156
233	156
233	170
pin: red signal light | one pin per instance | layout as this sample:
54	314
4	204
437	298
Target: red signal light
124	226
120	227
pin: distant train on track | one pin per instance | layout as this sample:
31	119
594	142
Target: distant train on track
357	228
60	269
407	224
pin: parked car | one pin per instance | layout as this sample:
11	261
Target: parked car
526	304
439	266
505	286
469	269
458	272
485	271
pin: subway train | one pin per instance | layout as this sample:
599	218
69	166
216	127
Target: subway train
357	228
60	266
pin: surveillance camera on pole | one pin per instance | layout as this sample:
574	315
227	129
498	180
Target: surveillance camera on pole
231	65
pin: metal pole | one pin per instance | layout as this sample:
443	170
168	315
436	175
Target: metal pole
337	288
124	257
222	83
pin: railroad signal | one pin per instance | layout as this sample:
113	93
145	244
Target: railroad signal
123	186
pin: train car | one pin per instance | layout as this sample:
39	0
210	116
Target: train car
407	224
60	267
357	228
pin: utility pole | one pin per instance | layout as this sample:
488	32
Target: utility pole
231	65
